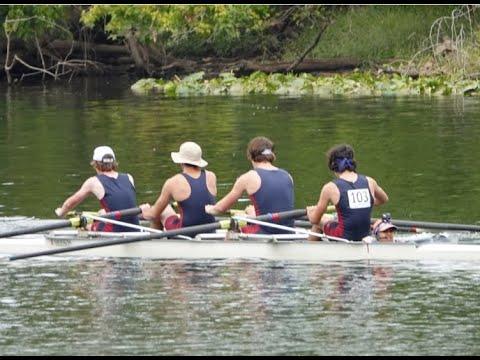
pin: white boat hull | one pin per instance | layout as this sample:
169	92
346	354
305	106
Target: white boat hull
260	247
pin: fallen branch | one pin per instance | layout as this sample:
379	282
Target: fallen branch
44	71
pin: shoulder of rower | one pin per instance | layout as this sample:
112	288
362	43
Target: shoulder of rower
371	181
173	182
130	177
92	185
330	186
91	182
176	179
210	174
250	176
245	179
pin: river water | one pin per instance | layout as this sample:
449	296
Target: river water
422	151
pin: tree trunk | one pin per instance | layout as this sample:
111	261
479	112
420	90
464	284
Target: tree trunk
139	55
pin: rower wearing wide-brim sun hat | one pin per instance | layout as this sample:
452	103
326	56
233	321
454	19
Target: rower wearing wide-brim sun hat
192	189
189	153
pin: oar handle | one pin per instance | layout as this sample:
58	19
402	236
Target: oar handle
282	215
117	215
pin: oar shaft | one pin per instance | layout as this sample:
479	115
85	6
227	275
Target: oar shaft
74	221
45	227
302	223
434	225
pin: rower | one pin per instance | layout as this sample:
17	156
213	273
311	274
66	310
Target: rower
114	190
383	229
269	188
192	189
353	195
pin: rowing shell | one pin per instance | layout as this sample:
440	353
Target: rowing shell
290	247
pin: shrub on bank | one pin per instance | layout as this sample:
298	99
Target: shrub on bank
356	84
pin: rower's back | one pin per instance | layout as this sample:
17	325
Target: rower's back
275	194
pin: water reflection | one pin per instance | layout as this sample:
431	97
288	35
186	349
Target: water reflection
229	307
358	287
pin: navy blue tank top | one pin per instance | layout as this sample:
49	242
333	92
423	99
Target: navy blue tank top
275	195
119	194
354	207
192	209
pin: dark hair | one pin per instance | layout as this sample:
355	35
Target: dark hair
341	158
105	166
191	165
261	149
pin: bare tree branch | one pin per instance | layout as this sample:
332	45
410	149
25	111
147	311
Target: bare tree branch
310	48
41	55
33	67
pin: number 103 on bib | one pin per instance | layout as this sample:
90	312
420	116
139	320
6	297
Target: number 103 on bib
358	198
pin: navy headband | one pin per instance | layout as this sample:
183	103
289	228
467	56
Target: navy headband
344	164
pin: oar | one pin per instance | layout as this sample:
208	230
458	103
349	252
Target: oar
224	224
330	208
303	223
73	222
288	228
413	225
229	212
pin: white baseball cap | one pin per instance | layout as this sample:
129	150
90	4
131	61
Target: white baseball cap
103	154
189	153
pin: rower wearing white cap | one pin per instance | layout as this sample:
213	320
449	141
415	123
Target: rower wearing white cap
192	189
114	190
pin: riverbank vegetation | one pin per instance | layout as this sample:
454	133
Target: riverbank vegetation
354	84
244	49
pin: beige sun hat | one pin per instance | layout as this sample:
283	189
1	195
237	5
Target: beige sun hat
189	153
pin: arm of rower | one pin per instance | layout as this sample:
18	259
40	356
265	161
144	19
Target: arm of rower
212	182
228	200
130	177
73	201
315	213
379	194
154	212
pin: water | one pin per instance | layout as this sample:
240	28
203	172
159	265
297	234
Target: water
239	308
421	151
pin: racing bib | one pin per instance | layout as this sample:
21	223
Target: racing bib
358	198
